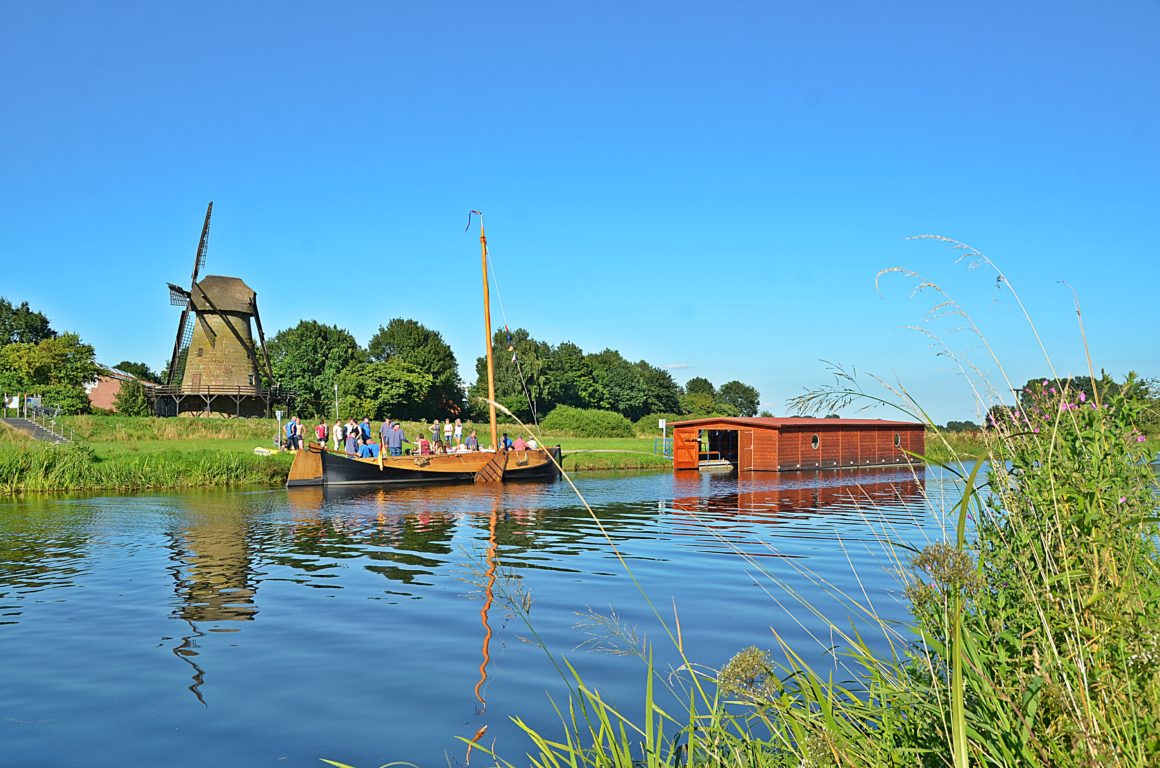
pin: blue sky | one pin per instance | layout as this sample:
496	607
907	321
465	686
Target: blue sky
707	186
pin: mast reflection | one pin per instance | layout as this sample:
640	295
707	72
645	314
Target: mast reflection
489	596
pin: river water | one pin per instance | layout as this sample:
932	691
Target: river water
276	627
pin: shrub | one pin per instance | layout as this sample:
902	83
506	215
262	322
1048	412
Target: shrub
131	399
582	422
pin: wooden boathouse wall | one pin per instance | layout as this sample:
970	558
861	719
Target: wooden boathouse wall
790	444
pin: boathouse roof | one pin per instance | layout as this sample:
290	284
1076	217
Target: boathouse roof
769	422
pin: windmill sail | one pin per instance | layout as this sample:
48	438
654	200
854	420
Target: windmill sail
202	244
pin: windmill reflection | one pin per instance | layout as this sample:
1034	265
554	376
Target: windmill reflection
213	579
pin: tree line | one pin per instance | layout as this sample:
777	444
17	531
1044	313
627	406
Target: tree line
407	371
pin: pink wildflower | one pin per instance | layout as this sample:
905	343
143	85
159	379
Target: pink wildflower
1083	397
1036	430
1045	382
1053	390
1140	438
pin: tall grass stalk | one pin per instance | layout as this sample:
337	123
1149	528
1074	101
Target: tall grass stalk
1036	622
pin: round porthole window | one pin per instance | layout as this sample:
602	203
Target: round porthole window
815	442
897	440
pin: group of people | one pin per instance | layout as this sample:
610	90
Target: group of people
358	438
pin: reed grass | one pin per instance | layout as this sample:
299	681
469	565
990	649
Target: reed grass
1036	621
36	467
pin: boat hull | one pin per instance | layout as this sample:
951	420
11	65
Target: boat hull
315	466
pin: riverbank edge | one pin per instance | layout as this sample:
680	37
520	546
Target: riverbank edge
80	469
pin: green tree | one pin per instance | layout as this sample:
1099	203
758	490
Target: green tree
425	349
699	404
661	393
740	396
131	399
307	359
21	325
576	381
57	360
622	383
140	370
699	385
70	398
393	388
961	426
523	376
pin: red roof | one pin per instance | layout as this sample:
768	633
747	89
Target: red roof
793	421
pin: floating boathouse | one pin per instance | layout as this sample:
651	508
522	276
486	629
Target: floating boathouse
792	444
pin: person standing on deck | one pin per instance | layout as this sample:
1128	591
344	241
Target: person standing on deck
320	432
337	435
448	428
519	444
352	429
365	429
458	432
395	440
384	430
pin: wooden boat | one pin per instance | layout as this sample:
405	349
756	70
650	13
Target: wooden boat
318	465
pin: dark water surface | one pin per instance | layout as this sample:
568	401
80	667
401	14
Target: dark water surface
276	627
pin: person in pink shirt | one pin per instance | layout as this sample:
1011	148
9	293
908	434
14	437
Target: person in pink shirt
520	444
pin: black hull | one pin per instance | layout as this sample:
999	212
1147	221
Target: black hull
342	470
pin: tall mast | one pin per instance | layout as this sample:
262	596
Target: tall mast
488	345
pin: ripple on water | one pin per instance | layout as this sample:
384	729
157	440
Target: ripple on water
372	625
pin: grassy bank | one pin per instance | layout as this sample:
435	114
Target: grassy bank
127	454
114	453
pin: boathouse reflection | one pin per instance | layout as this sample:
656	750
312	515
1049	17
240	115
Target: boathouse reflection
773	498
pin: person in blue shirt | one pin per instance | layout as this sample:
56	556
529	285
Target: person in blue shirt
506	442
365	428
368	451
395	440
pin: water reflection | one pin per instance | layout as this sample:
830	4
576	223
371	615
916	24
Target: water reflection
736	511
354	600
769	496
211	561
37	555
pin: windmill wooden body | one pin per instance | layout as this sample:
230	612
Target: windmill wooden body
216	366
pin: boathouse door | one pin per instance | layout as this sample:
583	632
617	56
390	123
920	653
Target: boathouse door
686	448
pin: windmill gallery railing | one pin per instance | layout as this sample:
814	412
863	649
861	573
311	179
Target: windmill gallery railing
245	400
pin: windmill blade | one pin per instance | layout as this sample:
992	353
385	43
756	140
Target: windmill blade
175	375
199	260
210	333
262	340
178	297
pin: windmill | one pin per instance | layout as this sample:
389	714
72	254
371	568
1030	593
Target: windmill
215	359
